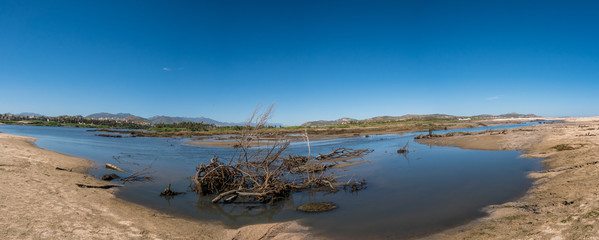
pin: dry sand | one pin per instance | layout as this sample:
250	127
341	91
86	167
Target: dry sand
39	202
563	203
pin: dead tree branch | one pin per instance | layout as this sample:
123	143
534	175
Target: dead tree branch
268	174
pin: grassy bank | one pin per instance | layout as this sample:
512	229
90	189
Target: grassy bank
286	132
191	129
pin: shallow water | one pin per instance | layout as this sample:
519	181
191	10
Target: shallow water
425	191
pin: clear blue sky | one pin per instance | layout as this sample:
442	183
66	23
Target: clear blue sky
315	59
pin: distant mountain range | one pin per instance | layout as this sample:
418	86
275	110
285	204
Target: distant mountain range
322	123
109	115
26	114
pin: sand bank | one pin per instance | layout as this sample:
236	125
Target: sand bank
40	202
563	203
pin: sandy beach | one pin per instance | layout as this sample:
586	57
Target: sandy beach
40	202
563	203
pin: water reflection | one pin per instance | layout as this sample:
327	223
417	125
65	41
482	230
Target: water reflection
245	211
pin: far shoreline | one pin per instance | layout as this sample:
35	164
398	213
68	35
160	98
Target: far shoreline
232	140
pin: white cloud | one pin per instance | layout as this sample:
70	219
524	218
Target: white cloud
166	69
492	98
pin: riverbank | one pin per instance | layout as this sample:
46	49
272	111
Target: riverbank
563	203
271	136
38	201
329	132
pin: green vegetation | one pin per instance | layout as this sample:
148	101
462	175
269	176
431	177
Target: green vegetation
183	126
372	124
591	214
8	121
563	147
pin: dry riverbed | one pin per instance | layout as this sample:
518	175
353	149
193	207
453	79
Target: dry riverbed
40	202
563	203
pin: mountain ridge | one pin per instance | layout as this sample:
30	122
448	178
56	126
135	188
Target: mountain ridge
322	123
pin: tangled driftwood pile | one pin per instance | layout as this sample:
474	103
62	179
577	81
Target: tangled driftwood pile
272	177
268	174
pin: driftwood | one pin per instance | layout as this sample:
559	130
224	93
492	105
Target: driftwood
102	187
64	169
266	175
342	153
113	167
169	193
139	176
356	186
404	149
268	180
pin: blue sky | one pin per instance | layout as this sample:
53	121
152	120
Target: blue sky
314	59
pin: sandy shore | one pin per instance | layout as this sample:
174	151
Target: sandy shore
40	202
563	203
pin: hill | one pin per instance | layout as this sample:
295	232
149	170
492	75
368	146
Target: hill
26	114
507	115
118	117
322	123
109	115
412	117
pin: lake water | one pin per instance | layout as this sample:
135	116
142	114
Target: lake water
428	190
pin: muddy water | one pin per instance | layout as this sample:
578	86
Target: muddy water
425	191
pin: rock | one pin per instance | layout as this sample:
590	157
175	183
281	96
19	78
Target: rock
317	207
110	177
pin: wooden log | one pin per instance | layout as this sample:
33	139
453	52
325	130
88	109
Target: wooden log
240	193
102	187
222	195
113	167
